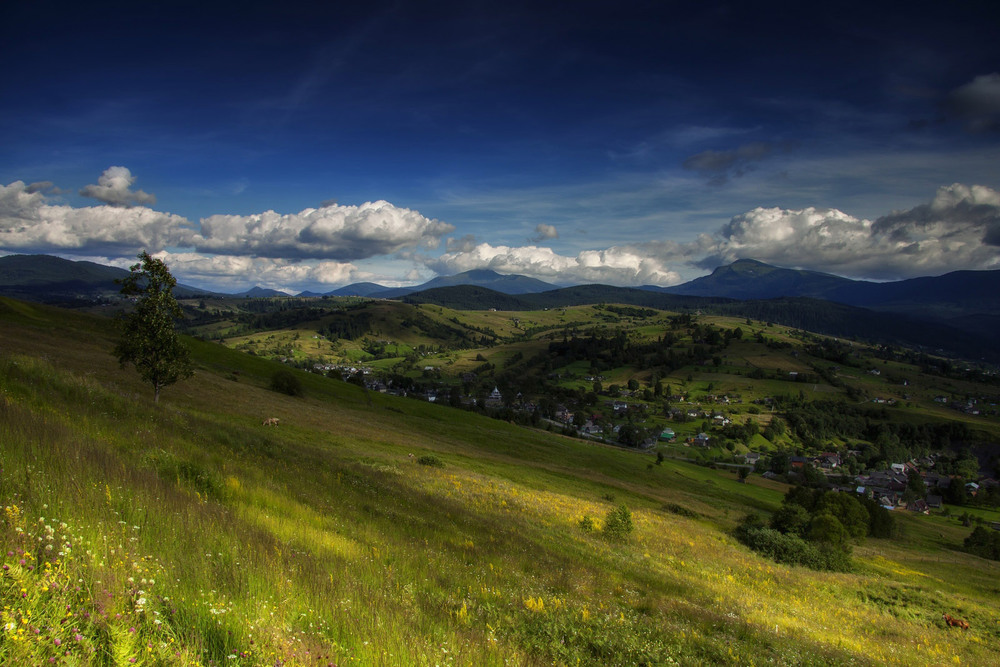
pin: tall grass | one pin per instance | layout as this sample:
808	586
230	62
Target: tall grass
187	533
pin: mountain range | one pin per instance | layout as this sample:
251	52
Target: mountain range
958	310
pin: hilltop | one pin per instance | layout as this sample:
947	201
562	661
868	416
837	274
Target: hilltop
190	533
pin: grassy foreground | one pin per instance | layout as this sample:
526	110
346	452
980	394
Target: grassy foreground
188	533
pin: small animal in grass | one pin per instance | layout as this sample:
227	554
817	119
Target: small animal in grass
270	421
956	622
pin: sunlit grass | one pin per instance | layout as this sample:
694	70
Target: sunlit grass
322	541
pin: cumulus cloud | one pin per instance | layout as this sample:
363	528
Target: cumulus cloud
545	232
331	232
228	273
958	229
29	222
615	266
114	188
977	103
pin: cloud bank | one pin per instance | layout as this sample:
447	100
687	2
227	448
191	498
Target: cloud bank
615	266
29	223
331	232
232	273
959	228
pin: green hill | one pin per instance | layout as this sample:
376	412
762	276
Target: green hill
188	533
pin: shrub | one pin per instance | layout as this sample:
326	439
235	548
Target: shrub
430	460
587	524
790	548
286	382
983	543
618	523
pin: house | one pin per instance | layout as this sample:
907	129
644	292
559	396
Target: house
702	440
829	460
563	414
751	458
797	461
934	501
667	434
918	506
495	399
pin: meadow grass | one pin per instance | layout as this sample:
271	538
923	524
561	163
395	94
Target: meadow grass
187	533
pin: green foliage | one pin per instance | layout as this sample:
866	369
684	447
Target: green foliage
848	511
826	529
430	460
791	518
286	381
789	548
148	340
618	524
984	543
587	524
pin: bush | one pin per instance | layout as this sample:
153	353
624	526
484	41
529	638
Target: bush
789	548
618	524
983	543
286	382
792	549
587	524
430	460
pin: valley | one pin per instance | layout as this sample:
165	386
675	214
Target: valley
442	486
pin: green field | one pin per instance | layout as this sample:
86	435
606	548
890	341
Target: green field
187	533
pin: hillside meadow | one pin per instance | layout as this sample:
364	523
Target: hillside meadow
189	533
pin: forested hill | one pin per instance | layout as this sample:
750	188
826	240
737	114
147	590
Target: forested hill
824	317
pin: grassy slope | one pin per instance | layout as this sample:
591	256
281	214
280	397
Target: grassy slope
322	539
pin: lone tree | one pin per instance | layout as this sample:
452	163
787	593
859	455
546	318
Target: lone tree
148	340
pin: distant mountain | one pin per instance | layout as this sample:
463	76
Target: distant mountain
505	284
965	299
359	289
56	280
468	297
750	279
260	292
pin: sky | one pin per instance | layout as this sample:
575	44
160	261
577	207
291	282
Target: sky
307	146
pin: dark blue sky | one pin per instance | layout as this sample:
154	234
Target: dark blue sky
630	142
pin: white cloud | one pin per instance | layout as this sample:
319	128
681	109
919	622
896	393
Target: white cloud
230	273
114	188
331	232
958	229
616	266
29	222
